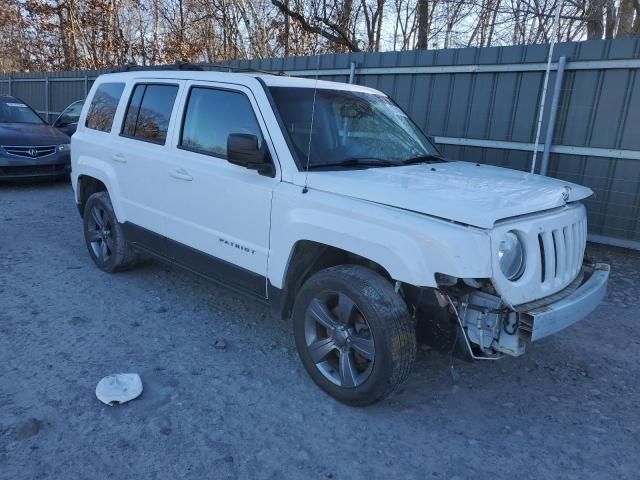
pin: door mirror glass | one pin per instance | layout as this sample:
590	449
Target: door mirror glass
243	149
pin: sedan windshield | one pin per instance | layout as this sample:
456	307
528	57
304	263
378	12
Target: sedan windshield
15	111
350	130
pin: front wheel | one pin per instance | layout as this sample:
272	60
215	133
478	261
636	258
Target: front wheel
353	333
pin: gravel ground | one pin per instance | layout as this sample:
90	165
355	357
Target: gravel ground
245	408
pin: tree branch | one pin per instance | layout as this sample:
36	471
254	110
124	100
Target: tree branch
338	37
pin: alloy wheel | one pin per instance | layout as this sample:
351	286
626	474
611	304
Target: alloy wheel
339	339
100	234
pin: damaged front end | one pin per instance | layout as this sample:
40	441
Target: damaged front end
491	329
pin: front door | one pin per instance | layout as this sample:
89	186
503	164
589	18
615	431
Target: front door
218	214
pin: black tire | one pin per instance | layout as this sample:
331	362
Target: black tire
381	329
104	237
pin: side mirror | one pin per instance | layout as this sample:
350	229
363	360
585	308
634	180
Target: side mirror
243	150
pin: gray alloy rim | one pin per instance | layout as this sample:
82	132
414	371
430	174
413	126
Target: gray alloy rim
339	339
100	234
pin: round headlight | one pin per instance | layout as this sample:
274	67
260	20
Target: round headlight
511	256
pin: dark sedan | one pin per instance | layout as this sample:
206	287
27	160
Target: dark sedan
28	146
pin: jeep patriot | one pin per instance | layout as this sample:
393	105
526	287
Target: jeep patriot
326	201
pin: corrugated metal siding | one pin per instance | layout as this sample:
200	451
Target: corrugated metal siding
599	108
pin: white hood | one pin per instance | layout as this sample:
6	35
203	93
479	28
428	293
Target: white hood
472	194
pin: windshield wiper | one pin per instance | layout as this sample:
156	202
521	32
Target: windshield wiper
356	162
424	159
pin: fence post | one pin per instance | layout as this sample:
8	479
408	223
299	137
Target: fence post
46	97
86	86
553	113
352	72
10	84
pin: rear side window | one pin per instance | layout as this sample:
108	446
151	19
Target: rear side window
149	112
103	106
210	117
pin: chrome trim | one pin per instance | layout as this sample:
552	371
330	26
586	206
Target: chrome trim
26	151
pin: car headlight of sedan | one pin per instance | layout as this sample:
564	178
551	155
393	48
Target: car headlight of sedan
65	147
511	256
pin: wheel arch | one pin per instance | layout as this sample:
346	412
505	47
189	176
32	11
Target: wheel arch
91	181
87	186
308	257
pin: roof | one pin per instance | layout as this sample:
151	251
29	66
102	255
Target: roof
232	77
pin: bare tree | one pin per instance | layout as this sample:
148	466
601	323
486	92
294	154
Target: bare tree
72	34
322	25
424	24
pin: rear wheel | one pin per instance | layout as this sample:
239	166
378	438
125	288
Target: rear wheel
354	334
104	236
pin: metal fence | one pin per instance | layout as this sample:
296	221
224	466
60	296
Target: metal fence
483	105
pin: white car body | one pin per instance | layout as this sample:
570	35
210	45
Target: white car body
417	222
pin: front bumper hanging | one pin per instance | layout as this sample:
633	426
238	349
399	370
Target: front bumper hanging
546	320
492	330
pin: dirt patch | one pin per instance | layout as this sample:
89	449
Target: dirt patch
225	395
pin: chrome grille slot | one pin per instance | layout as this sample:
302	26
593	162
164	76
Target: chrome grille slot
561	252
558	236
543	270
30	152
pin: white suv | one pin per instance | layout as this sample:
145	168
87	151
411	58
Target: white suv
325	200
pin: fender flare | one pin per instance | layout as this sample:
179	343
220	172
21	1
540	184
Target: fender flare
102	171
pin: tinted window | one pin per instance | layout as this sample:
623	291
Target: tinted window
103	106
70	115
131	117
212	115
149	112
13	110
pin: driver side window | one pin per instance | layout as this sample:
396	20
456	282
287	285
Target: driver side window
70	115
211	115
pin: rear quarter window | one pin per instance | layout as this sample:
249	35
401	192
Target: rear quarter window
103	106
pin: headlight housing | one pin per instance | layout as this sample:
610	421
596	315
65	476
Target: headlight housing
65	147
511	256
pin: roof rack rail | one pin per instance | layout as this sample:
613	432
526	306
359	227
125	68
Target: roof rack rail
132	67
197	67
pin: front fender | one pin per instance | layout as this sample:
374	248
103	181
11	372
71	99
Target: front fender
410	246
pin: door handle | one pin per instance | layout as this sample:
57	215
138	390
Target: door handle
180	174
118	157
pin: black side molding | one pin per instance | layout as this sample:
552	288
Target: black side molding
212	268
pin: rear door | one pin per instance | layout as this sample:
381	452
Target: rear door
218	214
137	157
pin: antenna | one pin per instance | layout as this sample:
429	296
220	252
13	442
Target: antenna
305	189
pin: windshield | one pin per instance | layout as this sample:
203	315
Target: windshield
350	129
14	111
